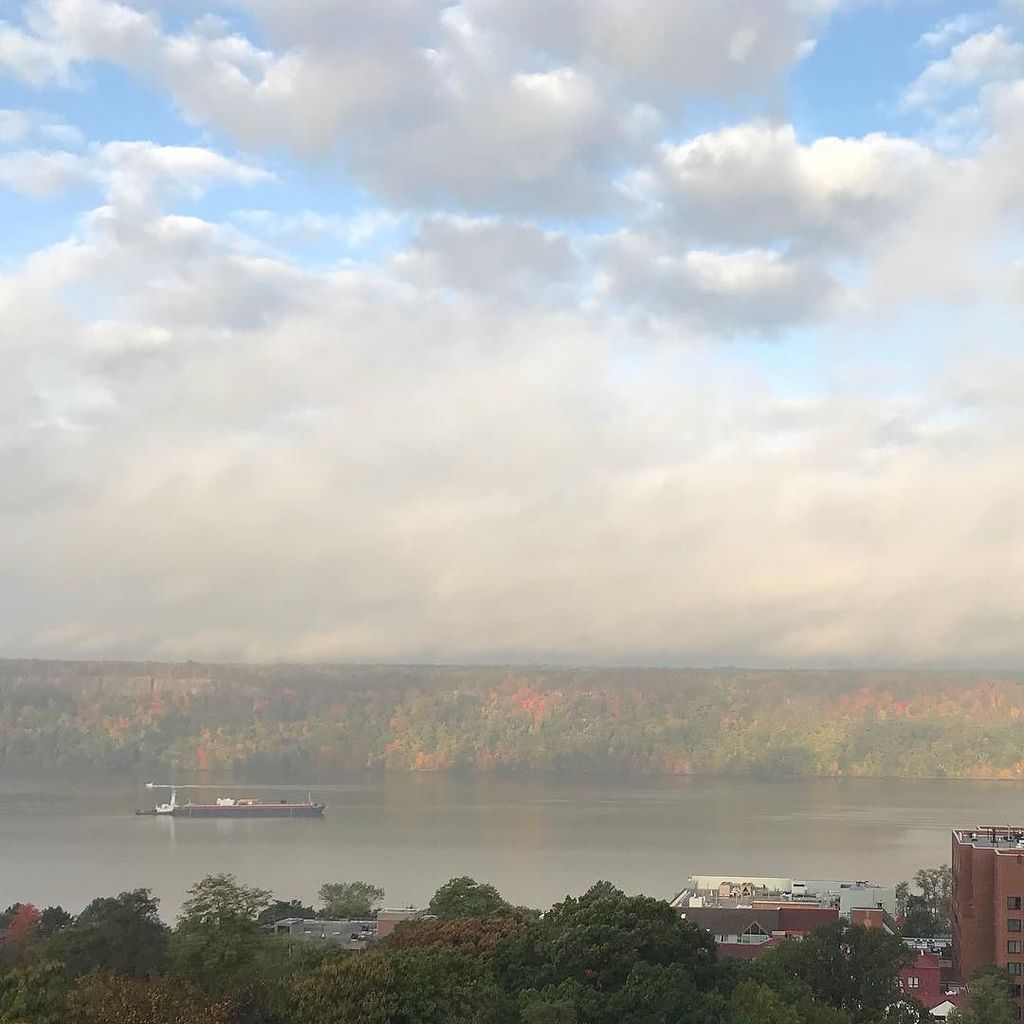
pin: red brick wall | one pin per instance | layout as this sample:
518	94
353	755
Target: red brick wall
983	882
973	893
867	918
799	920
928	974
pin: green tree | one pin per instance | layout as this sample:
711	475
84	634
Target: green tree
53	920
936	885
102	998
920	921
218	940
552	1005
343	900
602	942
358	989
754	1003
33	994
848	967
466	897
220	898
114	933
654	993
440	986
988	999
280	910
902	898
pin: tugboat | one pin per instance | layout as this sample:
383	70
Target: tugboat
229	807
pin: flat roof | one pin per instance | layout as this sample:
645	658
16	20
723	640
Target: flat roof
991	837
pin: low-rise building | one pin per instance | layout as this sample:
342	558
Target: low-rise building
744	932
922	980
351	934
846	896
390	918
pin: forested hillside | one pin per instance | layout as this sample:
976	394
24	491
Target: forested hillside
336	720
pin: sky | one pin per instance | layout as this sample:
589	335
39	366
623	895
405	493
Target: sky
605	331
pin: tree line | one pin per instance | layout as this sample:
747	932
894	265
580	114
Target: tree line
476	959
332	721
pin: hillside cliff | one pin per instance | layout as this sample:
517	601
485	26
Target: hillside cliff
339	719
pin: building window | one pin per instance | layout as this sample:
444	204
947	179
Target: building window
1013	946
1013	903
913	981
1013	924
1013	968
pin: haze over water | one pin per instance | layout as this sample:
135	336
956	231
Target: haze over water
66	840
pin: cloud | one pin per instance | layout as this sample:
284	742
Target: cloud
946	31
127	172
659	52
31	59
306	226
563	377
270	462
42	174
983	57
756	184
756	290
486	257
522	108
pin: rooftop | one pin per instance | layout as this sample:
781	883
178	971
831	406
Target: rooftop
992	837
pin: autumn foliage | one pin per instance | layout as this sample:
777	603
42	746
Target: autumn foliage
337	720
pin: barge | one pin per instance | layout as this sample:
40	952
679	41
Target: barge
229	807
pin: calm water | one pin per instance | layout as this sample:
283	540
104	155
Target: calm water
65	841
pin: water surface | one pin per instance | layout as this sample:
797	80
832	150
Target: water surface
66	840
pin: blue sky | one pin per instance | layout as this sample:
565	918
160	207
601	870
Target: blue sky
562	330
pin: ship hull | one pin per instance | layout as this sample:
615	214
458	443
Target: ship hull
248	811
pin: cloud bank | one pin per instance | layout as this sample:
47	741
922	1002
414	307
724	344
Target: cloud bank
572	376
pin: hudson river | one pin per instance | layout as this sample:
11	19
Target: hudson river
65	840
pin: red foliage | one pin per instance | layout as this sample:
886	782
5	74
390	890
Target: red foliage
467	935
24	925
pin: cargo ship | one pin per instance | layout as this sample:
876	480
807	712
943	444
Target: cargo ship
229	807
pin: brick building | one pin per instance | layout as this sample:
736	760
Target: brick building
745	932
922	980
988	901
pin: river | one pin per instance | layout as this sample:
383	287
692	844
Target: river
67	840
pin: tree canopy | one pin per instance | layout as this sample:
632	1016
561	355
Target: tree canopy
466	897
333	720
358	900
598	958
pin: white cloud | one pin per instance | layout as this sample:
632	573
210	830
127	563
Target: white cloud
260	461
133	170
128	172
41	174
658	51
355	230
983	57
34	60
486	257
939	37
756	184
498	107
494	426
757	290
